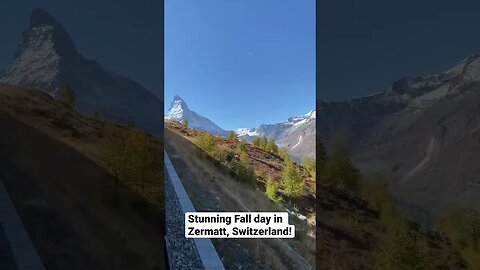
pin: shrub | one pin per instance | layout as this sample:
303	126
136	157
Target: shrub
310	165
462	227
96	115
376	193
241	146
185	122
131	157
243	169
207	143
284	154
256	142
271	189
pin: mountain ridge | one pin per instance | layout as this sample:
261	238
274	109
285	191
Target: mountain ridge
412	133
296	134
48	60
179	111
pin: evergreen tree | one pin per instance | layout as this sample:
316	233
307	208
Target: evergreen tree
271	146
293	183
185	122
96	115
401	251
256	142
67	95
310	165
342	172
232	136
271	189
243	168
263	143
321	153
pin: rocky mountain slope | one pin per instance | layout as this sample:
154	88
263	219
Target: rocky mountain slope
423	133
297	134
48	60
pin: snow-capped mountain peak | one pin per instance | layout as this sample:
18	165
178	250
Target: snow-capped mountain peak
48	61
179	111
296	134
178	107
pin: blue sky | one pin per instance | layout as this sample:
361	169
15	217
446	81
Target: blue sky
365	46
241	63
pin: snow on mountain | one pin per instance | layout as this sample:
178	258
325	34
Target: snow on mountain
416	133
179	111
297	134
420	91
242	132
47	60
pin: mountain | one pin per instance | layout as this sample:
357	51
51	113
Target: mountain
48	60
179	111
297	134
423	133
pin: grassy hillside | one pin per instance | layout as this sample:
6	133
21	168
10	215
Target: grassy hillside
359	226
213	183
88	134
78	215
266	165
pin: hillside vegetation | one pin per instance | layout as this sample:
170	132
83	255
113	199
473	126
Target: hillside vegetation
231	186
261	164
103	142
79	211
359	227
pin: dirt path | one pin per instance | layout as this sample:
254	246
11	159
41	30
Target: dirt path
212	189
70	208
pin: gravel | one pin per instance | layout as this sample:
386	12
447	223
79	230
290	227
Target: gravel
182	251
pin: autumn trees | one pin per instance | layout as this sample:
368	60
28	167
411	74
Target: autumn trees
292	181
337	170
131	158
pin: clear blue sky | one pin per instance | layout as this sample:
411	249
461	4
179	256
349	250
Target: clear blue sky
364	46
241	63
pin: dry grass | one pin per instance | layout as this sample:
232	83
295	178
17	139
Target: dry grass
214	189
76	214
84	133
265	164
